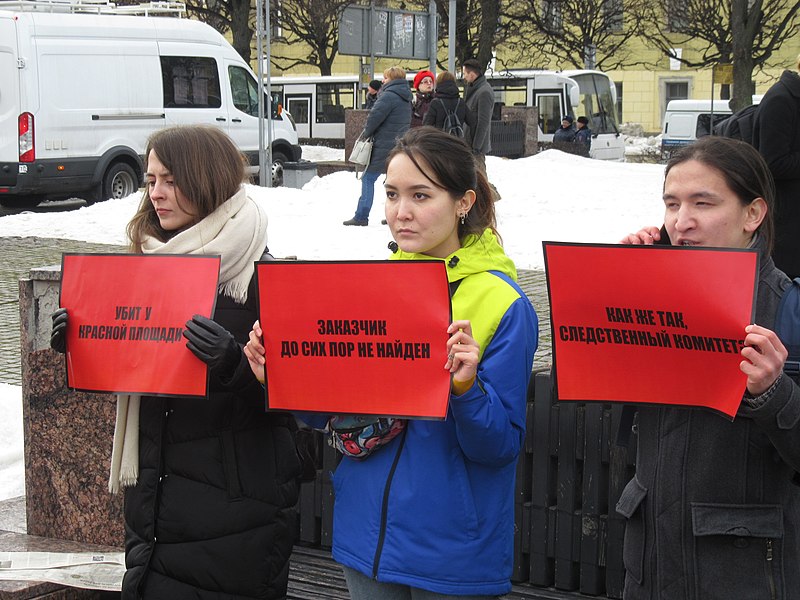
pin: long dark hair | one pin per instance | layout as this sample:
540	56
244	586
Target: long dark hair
206	167
743	169
452	168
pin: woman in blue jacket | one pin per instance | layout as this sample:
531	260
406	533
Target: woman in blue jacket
431	512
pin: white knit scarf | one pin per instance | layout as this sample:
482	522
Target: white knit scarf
237	232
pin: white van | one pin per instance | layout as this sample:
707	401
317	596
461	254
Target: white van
81	93
687	120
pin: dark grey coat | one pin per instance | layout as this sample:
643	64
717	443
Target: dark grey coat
388	120
480	100
713	512
776	134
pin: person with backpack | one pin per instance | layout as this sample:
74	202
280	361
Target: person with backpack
430	514
713	511
448	111
776	134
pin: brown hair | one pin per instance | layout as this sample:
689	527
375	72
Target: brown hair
743	170
444	76
451	167
395	73
207	168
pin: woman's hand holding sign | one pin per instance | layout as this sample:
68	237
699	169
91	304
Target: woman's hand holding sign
463	354
254	351
764	356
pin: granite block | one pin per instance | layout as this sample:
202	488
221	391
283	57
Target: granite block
67	434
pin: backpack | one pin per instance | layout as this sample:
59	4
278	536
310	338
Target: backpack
739	125
787	326
452	124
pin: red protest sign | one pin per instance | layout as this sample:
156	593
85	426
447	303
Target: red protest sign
654	324
126	317
356	337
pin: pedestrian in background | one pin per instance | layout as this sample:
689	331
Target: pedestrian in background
423	84
431	513
776	134
583	136
447	99
566	133
389	119
479	96
210	494
372	93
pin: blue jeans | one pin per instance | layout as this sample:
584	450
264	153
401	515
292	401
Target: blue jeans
368	180
362	587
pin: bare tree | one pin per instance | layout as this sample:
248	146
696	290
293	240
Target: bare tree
581	33
478	28
236	16
743	32
314	23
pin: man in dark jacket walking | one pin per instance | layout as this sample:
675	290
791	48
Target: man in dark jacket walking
776	134
479	96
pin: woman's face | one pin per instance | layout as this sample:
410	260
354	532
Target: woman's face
425	85
423	218
701	210
167	200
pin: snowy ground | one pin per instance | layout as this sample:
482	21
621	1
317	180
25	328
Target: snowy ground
550	196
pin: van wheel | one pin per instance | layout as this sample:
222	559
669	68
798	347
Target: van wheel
119	181
278	158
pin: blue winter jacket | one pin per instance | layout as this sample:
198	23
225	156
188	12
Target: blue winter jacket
389	118
434	509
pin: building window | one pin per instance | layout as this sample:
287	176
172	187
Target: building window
677	16
612	15
674	89
551	13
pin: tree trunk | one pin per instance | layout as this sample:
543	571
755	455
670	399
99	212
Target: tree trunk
490	15
241	33
744	23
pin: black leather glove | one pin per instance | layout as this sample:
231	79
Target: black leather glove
58	336
213	344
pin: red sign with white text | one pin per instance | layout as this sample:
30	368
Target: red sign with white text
356	337
652	324
126	317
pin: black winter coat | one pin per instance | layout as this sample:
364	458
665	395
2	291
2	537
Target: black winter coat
713	510
448	98
212	513
776	134
387	121
419	108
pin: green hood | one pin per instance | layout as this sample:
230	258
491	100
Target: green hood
479	254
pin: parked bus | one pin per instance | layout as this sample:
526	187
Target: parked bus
317	103
558	93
